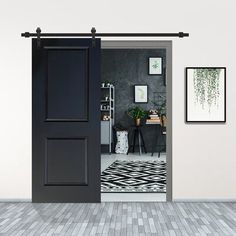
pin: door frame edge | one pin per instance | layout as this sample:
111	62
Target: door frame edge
155	44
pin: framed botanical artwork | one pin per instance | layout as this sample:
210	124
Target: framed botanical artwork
155	66
205	94
140	93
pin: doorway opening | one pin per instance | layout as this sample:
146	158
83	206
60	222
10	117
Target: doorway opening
136	155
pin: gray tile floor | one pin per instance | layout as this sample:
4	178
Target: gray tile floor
118	219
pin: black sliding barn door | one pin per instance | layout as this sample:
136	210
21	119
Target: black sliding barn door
66	120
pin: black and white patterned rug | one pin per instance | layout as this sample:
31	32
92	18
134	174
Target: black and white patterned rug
134	176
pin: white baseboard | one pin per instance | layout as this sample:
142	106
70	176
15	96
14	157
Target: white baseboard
131	198
204	200
15	200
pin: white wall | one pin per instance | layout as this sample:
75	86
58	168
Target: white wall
204	157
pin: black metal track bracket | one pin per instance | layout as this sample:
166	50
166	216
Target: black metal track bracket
93	32
38	31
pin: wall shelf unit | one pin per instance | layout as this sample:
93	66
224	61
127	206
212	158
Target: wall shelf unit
107	108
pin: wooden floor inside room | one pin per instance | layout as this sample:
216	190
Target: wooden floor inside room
118	219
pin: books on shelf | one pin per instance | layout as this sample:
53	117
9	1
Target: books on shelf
154	119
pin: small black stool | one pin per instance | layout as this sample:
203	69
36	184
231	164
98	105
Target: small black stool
137	134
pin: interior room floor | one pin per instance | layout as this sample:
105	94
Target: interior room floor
118	219
108	159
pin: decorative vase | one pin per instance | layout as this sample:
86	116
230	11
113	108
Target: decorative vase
137	121
122	145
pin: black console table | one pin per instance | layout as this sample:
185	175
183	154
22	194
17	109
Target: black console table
159	132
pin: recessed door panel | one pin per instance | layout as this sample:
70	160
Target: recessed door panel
67	84
66	161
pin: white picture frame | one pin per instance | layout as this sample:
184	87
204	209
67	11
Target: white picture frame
140	93
206	94
155	66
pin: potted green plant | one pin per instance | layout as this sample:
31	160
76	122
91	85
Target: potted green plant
160	108
137	113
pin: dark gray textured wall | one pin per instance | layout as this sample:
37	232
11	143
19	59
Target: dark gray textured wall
125	68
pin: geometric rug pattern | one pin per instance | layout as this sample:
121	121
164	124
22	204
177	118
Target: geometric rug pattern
134	176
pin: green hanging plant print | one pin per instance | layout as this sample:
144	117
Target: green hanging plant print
205	94
206	87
